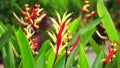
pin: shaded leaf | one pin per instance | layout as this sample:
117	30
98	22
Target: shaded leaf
60	63
97	49
72	57
8	56
5	37
98	63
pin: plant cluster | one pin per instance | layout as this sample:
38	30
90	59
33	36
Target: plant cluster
65	46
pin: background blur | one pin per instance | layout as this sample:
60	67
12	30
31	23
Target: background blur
7	6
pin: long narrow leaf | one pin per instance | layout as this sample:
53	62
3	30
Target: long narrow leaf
8	56
74	25
60	63
83	62
109	25
88	27
5	37
97	49
26	53
86	36
40	63
43	48
98	63
107	21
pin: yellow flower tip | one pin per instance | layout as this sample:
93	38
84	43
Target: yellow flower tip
114	56
102	60
36	26
86	2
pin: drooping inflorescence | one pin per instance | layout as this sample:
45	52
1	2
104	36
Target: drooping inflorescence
32	17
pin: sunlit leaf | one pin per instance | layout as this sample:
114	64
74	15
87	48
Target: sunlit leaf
26	53
108	25
83	62
40	62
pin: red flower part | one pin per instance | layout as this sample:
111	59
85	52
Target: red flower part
23	12
110	55
83	10
58	41
34	13
37	5
118	1
34	43
92	14
74	44
25	31
20	21
59	36
90	5
63	43
32	24
25	5
107	46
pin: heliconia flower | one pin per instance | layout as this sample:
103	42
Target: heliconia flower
86	8
110	52
60	26
32	16
109	56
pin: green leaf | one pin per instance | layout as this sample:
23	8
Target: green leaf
74	25
107	21
8	56
15	44
26	53
108	65
40	62
83	62
2	28
43	48
50	60
98	63
5	37
60	63
97	49
72	57
86	36
88	27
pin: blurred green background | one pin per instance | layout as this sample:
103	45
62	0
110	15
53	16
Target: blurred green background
7	6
